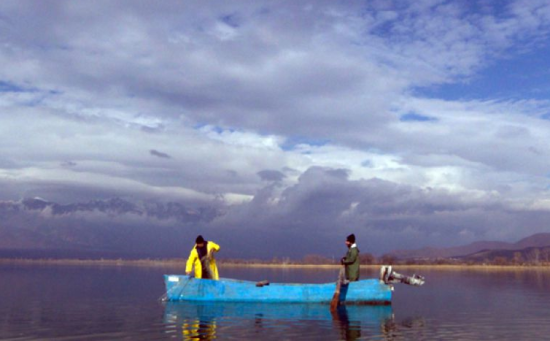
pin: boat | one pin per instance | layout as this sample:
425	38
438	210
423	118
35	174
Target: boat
185	288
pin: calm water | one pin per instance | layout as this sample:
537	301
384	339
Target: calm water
92	303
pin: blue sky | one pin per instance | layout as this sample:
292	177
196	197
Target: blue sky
409	123
513	77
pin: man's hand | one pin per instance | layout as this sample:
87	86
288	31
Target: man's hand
188	273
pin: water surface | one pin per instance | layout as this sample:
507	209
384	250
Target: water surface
121	303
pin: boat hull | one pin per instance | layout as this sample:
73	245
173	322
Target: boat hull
184	288
181	312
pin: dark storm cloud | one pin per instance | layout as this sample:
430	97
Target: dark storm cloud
69	164
159	154
312	216
271	175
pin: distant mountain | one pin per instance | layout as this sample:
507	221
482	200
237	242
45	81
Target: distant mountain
69	254
110	228
536	240
114	206
532	255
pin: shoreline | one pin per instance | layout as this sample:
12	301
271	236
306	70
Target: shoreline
180	263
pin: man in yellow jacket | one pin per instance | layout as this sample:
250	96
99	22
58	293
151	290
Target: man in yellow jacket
202	258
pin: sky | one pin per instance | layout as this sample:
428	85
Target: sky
408	123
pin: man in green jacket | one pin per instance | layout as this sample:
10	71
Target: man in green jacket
351	260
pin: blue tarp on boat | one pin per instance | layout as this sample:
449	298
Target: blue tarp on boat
185	288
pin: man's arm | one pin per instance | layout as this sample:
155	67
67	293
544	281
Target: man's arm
213	248
350	257
190	261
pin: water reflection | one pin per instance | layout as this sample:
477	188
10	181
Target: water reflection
348	330
208	321
201	326
408	329
199	329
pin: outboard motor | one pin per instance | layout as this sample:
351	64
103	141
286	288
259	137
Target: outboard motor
388	276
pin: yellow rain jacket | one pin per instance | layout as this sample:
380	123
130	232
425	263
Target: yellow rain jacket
194	260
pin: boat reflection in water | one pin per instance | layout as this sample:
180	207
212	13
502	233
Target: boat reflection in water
209	321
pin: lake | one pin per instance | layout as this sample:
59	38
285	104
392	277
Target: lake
121	303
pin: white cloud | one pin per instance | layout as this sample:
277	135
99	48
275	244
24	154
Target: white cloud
99	85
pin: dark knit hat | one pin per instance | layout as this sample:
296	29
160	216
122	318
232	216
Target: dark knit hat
199	240
351	238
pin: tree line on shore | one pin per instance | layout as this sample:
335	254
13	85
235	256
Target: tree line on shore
525	257
533	256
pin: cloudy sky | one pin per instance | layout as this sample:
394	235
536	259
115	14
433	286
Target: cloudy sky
409	123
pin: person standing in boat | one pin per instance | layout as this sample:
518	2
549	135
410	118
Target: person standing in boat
202	259
351	260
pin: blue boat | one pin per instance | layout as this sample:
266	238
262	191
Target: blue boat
185	288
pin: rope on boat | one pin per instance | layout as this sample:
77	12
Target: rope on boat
164	297
205	264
